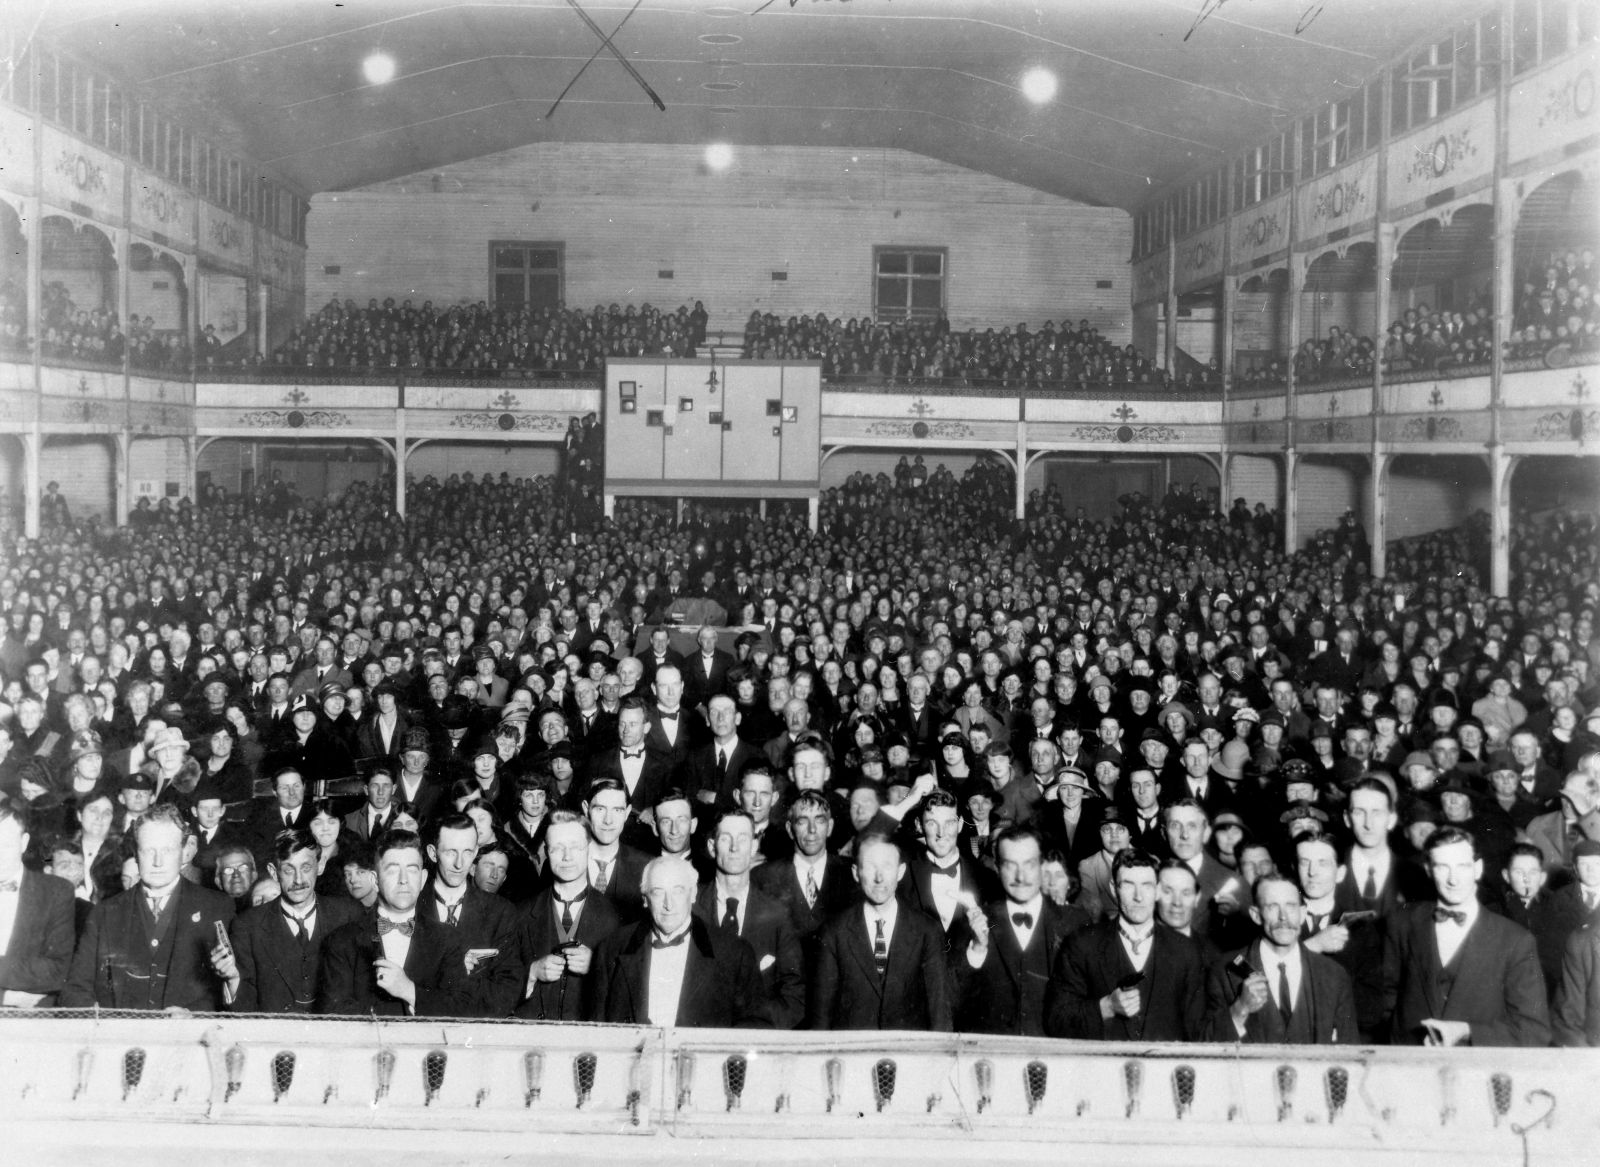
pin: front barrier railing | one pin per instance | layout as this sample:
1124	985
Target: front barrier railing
63	1078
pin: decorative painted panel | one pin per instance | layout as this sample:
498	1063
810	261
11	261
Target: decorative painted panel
78	173
1450	153
919	408
565	400
300	397
1433	396
1200	258
16	150
1341	198
1555	107
1150	278
1066	409
224	235
162	208
1260	230
282	262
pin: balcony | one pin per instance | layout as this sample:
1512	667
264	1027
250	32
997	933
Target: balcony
153	1088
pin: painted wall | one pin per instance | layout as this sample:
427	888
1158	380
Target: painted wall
1014	254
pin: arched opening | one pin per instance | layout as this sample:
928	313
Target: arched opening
1441	316
158	310
1261	328
1434	492
13	282
1336	316
1553	253
79	312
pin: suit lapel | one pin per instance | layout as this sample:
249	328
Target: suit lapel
1429	941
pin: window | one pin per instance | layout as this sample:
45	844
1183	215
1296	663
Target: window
909	282
525	275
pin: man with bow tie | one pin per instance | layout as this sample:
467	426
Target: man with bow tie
642	771
944	880
674	730
1455	973
1003	968
396	960
673	968
150	947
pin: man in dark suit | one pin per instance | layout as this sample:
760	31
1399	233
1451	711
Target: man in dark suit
916	718
674	969
945	880
1003	970
485	924
1278	990
150	947
288	811
813	884
562	926
1576	1013
1128	979
1455	973
273	962
880	965
705	673
642	772
394	961
674	728
372	817
714	767
36	954
616	869
730	903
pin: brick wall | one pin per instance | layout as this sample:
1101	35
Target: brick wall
1014	254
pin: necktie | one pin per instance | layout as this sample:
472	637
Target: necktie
880	950
288	819
1440	915
657	942
1022	919
730	915
811	888
404	927
1317	920
1369	890
566	916
1285	1000
452	913
601	876
722	760
298	926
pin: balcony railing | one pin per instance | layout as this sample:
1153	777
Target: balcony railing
276	1087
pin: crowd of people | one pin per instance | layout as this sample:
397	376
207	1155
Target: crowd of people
1553	309
1144	778
477	337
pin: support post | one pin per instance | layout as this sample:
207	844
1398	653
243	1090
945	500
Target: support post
401	453
1383	258
1501	467
191	459
1022	470
813	512
32	450
1291	500
1378	521
122	455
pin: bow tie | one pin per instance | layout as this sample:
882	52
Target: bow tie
665	716
1440	915
404	927
632	754
1022	919
951	872
657	942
